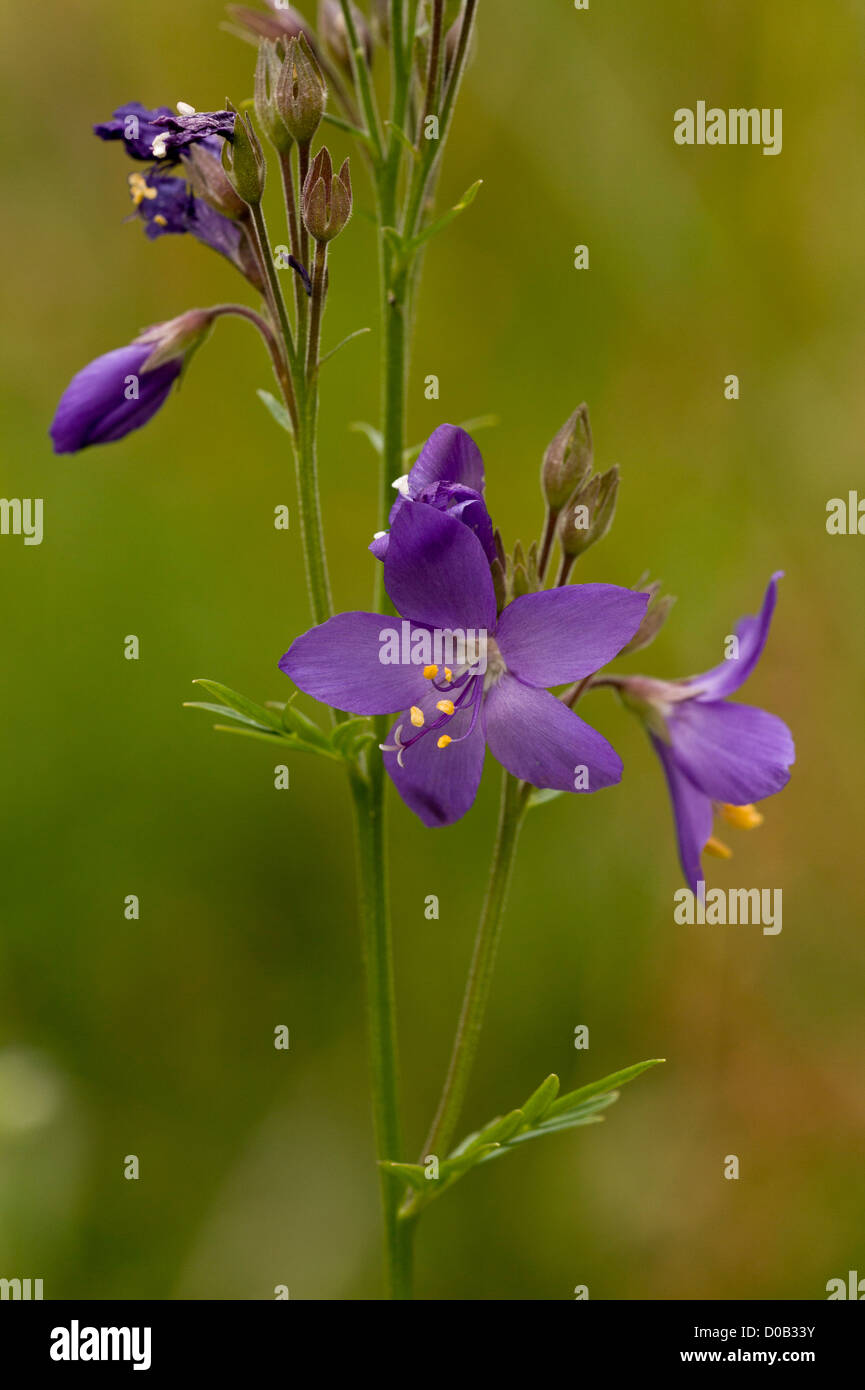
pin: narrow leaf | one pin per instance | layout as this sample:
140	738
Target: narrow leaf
412	1173
609	1083
358	333
540	1100
373	435
416	242
224	713
256	713
277	410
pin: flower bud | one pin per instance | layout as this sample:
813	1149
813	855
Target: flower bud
211	183
267	71
333	33
284	22
176	338
243	160
301	92
656	615
568	459
326	198
588	515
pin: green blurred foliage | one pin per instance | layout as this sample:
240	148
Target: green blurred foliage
155	1037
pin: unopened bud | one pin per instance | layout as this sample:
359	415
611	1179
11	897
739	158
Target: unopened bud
655	616
176	337
243	160
326	199
211	183
588	515
334	35
568	459
301	92
267	72
283	22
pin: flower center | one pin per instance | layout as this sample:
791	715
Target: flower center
461	693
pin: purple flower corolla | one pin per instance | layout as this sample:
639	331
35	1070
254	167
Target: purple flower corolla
122	390
167	206
448	475
714	752
175	132
136	126
438	577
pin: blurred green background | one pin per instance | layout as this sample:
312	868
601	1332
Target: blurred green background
155	1037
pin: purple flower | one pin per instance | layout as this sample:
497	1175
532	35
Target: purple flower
438	577
175	132
136	126
120	391
715	753
448	475
167	206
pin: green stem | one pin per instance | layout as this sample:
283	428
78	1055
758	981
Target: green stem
369	807
512	810
274	289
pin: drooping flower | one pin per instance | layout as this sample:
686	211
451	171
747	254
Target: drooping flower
448	475
715	754
438	577
122	390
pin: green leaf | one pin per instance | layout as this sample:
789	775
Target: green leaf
412	1173
542	1114
568	1102
224	713
277	410
416	242
256	714
540	1100
373	435
403	139
358	333
541	795
299	723
351	735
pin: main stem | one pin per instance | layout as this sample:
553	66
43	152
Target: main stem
369	805
511	812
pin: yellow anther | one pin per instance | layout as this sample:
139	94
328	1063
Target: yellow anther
140	189
444	741
429	672
416	716
716	847
446	706
743	817
449	675
160	220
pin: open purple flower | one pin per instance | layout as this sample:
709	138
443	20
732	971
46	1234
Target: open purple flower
448	475
438	577
122	390
715	753
166	205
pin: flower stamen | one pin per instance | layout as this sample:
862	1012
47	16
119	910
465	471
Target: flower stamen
717	848
743	817
416	714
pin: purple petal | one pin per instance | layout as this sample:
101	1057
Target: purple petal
536	737
94	408
134	124
564	634
450	455
752	633
435	571
732	753
457	500
438	784
692	814
340	664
